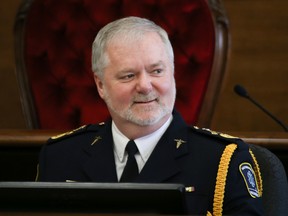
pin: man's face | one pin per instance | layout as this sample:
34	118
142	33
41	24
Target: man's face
138	84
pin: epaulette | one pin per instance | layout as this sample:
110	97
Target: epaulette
209	132
75	132
218	135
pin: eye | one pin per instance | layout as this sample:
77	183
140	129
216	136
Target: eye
157	71
127	77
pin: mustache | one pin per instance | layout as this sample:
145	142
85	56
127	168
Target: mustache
145	98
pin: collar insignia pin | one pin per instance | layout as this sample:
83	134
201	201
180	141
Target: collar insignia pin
97	138
179	142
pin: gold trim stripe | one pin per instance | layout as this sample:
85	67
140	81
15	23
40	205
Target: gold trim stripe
257	173
221	179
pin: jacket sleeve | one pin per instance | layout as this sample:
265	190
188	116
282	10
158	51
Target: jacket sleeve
242	192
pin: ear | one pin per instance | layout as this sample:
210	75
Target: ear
99	85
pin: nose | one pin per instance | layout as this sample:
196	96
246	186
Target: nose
144	83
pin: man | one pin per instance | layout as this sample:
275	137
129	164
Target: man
133	66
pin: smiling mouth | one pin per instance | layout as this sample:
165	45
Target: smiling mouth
146	102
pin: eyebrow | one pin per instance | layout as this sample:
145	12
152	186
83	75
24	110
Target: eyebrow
160	63
157	64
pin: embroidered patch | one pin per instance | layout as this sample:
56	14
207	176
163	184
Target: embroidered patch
250	179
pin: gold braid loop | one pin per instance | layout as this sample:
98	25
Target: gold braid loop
209	213
257	172
221	179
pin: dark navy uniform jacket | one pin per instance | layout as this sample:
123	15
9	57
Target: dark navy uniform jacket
184	155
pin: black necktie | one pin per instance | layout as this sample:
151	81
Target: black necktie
131	169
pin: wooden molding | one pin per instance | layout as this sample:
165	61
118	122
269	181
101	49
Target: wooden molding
30	138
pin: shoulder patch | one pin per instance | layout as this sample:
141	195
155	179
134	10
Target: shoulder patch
250	179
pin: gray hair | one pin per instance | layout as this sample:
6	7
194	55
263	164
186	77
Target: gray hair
128	28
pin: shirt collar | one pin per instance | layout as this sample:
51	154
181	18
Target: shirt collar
120	141
144	144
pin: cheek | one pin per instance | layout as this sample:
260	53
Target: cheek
167	87
118	95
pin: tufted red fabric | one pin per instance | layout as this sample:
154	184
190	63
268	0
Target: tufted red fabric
58	40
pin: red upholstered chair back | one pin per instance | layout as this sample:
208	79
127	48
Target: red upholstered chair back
53	41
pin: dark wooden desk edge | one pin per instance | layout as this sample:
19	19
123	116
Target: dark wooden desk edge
36	138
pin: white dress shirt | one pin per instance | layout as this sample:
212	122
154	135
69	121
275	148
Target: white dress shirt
144	144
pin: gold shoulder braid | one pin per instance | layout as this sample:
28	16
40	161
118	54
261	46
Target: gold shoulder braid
67	133
209	214
215	133
222	175
221	179
257	173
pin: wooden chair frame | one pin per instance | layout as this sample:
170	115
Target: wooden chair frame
222	41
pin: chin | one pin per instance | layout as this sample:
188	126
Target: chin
148	120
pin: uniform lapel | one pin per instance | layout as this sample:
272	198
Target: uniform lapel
162	163
100	163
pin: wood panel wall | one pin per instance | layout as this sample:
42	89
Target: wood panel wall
258	60
10	106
